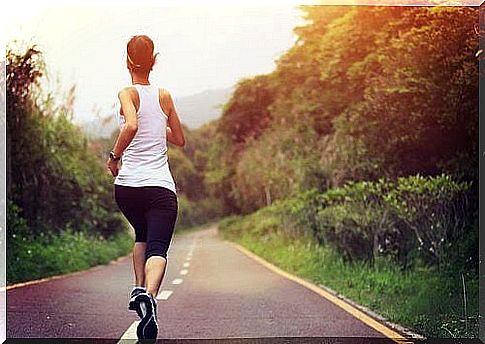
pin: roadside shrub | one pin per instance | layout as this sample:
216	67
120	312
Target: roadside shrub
230	226
298	214
348	230
404	219
435	209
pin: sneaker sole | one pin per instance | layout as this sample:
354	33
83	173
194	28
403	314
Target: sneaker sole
147	328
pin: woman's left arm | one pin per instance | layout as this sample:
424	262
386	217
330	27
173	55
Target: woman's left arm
127	132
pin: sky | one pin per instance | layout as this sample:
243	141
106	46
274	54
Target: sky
200	48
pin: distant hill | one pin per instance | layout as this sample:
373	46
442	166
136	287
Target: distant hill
193	110
197	109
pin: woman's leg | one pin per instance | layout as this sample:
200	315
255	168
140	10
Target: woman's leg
154	272
161	217
130	204
139	263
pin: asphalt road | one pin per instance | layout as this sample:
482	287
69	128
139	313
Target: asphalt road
211	290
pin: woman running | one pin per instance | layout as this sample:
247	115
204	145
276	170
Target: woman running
144	189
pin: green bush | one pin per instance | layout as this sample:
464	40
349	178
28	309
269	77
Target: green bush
299	213
428	218
409	218
435	209
349	230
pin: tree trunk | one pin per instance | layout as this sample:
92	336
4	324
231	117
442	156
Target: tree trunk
267	194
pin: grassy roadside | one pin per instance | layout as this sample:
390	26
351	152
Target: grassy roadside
428	301
50	255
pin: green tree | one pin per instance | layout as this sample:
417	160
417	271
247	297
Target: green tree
52	174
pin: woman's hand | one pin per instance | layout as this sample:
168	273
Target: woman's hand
113	166
169	134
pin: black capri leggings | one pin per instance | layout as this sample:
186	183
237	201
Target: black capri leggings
152	211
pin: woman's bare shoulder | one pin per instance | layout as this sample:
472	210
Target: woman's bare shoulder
164	93
128	90
165	100
131	92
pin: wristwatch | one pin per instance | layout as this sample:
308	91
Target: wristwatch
112	156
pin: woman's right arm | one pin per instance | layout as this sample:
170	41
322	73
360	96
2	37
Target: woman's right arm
131	123
127	132
175	132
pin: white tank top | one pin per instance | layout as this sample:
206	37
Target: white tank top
145	160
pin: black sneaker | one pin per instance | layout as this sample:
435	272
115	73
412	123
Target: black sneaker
148	326
133	305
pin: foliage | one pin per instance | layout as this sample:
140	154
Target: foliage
418	113
52	173
184	172
31	257
194	213
274	167
246	115
413	220
219	172
365	92
17	226
189	163
381	95
415	216
435	209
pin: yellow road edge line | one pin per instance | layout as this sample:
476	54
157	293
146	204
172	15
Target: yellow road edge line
56	277
369	321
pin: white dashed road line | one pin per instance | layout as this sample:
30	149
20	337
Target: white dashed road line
130	333
164	294
184	272
177	281
186	265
